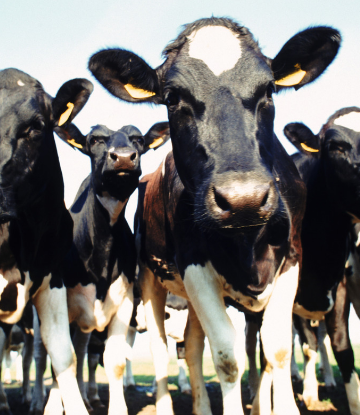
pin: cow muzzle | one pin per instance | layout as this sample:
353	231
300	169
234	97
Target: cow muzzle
242	205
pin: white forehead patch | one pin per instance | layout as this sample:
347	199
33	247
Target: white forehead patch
216	46
20	82
351	121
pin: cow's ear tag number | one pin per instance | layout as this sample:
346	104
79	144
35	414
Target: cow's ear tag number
309	149
65	115
293	79
138	93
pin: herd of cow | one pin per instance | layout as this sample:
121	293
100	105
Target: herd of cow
228	219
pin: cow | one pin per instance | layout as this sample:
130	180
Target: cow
35	226
221	216
328	162
99	268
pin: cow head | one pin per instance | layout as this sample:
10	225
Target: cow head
115	155
337	150
218	86
28	116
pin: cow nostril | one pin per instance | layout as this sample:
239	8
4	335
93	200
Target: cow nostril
113	156
133	156
222	203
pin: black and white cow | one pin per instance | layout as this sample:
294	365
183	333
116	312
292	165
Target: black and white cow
221	216
329	164
35	227
99	269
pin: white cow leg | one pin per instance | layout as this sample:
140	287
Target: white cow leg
194	348
311	388
8	362
27	356
276	336
129	377
40	356
115	354
80	342
251	332
154	298
92	391
183	383
204	289
19	366
325	350
52	310
4	406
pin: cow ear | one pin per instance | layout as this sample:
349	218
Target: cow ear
305	57
72	136
302	138
158	135
125	75
70	99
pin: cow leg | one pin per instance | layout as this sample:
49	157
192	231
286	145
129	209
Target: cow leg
52	310
92	392
154	299
324	349
295	374
182	378
40	356
116	351
19	365
130	339
27	356
309	346
276	336
194	348
8	362
251	332
205	294
337	321
4	406
80	342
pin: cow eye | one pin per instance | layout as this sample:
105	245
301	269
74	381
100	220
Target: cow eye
336	146
138	140
172	98
95	140
33	130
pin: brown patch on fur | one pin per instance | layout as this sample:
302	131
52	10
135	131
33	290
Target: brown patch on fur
282	357
228	367
119	371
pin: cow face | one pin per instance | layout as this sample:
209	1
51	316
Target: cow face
218	86
337	150
27	149
115	155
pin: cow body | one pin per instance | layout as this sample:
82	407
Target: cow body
221	217
328	163
35	227
99	269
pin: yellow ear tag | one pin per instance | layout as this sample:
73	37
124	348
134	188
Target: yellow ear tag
65	115
156	143
309	149
74	143
293	79
138	92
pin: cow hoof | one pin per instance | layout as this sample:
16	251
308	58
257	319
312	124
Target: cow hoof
186	390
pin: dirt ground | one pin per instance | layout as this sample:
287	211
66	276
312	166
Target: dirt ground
141	402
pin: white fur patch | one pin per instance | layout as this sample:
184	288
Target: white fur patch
216	46
113	206
351	121
20	83
3	284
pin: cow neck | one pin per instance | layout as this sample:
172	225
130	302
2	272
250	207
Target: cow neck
113	206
